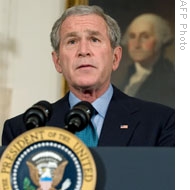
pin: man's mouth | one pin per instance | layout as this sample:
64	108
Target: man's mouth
85	66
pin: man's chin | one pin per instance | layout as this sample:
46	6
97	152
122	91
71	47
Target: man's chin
86	86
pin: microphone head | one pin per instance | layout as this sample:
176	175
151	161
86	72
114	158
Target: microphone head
37	115
79	116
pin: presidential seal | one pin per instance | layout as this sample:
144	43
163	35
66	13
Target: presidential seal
47	158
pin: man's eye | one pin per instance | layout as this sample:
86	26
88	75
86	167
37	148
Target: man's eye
71	41
95	40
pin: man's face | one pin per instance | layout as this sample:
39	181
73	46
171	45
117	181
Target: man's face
142	42
85	56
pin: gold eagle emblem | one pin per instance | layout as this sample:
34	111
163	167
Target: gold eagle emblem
56	177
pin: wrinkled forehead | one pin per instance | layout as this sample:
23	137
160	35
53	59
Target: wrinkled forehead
81	23
91	19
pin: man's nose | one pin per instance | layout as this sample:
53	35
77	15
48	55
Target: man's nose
84	48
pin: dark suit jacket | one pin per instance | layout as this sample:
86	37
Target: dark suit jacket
149	124
160	84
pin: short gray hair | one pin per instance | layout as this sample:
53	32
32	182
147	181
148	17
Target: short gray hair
161	26
114	32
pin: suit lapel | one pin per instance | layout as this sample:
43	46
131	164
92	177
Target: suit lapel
120	122
60	109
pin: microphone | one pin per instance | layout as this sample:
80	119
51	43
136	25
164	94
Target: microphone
79	116
37	115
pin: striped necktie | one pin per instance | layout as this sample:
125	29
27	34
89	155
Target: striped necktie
88	135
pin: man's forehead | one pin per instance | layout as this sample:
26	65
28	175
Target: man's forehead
87	18
87	31
91	22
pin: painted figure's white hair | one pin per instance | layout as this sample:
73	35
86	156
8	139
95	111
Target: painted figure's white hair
161	26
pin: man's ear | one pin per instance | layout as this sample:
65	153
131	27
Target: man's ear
117	57
56	60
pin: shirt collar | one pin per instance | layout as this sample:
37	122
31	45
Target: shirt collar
100	104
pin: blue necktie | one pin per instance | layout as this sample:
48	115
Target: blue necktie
88	135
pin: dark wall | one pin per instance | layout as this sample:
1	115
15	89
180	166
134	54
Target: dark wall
125	10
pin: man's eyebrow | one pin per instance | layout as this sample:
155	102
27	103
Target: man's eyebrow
70	34
93	32
90	32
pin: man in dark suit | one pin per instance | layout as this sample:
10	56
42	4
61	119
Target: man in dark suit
86	51
151	76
